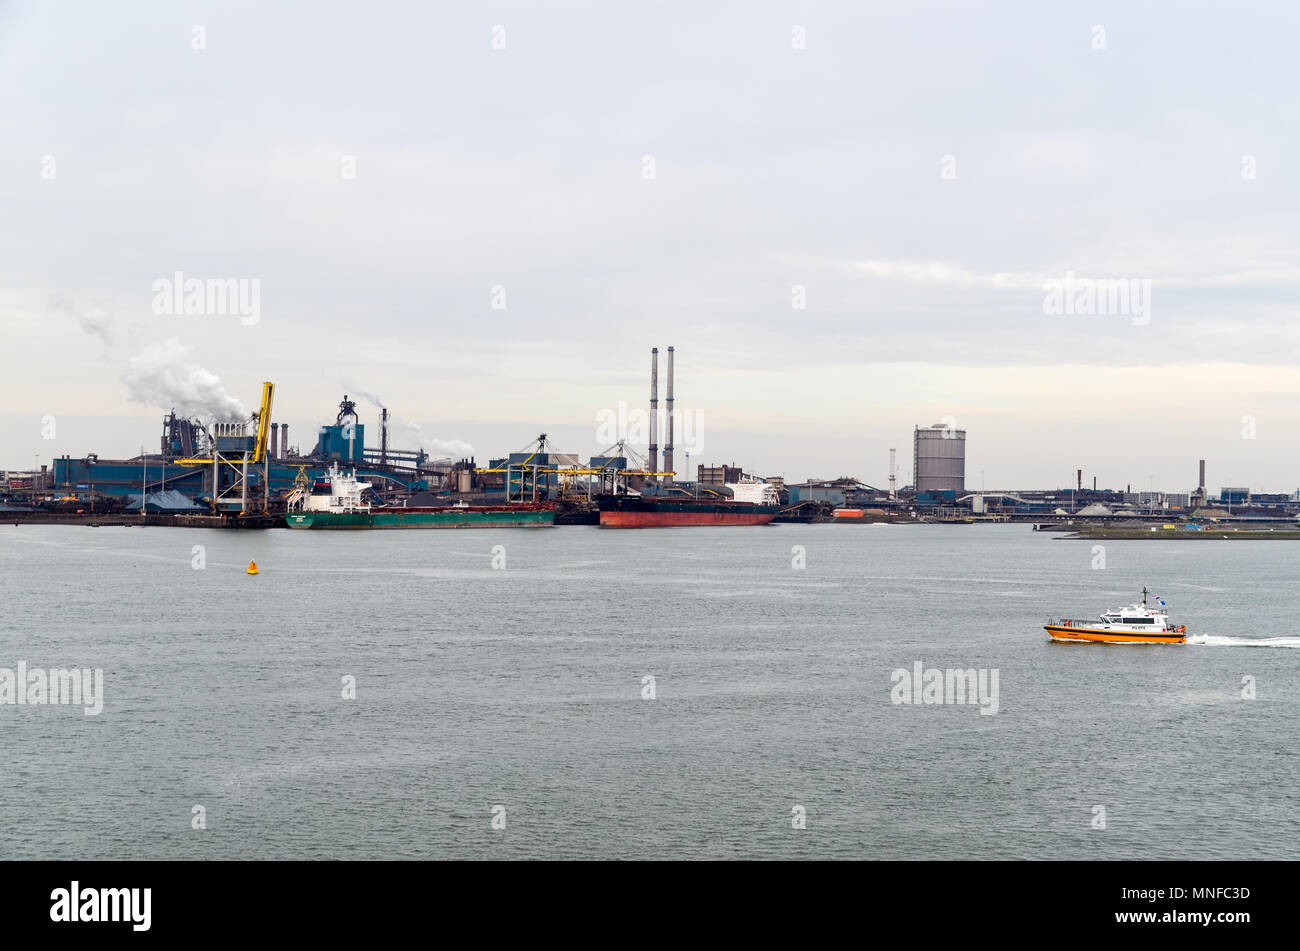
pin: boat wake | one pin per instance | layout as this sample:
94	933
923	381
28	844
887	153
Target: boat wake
1213	640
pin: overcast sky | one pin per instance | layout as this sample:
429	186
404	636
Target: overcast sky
920	170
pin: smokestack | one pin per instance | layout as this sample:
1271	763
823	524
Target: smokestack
668	439
654	409
1202	482
1094	483
893	478
275	441
383	437
284	440
1080	478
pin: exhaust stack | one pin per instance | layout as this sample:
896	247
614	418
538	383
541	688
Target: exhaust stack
668	440
284	440
893	477
275	441
383	437
654	409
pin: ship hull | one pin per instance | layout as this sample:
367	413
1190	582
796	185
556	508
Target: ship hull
1098	636
640	512
412	518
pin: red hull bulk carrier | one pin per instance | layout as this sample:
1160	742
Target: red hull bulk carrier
752	503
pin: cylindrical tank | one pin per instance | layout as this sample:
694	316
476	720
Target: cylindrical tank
939	459
464	481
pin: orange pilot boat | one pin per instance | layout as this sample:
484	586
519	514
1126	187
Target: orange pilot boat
1135	624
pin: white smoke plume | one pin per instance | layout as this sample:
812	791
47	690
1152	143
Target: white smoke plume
163	375
365	393
440	448
97	322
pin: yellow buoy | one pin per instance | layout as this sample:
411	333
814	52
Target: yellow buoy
252	567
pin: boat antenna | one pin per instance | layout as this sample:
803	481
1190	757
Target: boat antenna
1144	594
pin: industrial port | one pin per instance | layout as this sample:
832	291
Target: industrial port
247	474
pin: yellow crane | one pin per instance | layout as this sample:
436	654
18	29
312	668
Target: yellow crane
263	417
263	421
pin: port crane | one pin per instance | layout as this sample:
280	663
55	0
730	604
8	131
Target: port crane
522	477
235	450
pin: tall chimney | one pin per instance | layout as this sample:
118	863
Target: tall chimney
1094	483
668	439
275	441
654	409
1202	482
284	440
893	478
1080	478
383	436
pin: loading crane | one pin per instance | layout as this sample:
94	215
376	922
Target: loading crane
263	422
525	473
233	448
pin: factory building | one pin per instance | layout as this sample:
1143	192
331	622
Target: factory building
174	468
939	459
345	440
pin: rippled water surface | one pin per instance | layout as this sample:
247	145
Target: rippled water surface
522	688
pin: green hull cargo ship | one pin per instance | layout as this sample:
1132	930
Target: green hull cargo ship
335	501
471	517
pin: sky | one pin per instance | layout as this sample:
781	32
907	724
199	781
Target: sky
847	218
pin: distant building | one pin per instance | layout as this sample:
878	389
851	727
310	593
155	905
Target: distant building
1234	495
939	459
817	492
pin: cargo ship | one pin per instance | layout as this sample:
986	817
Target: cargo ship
751	503
337	500
1135	624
